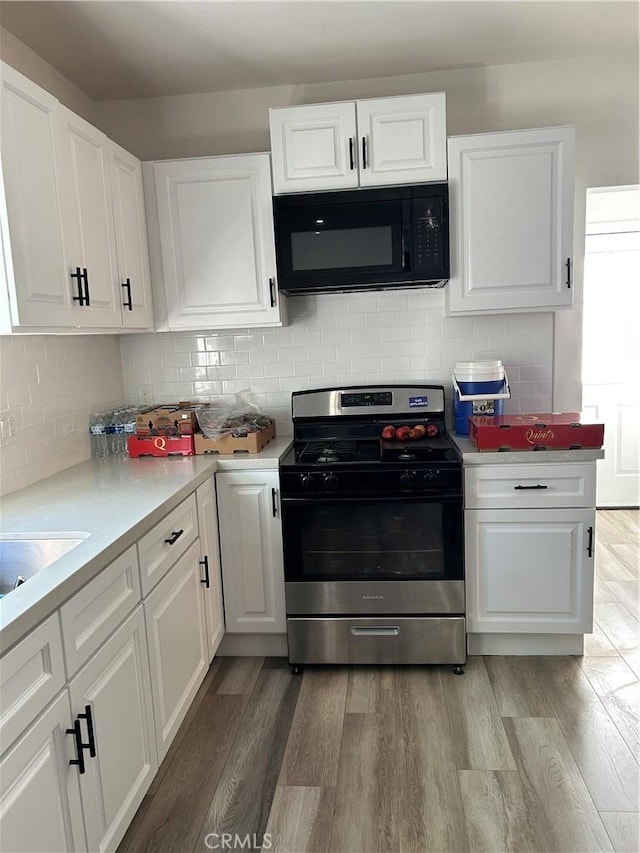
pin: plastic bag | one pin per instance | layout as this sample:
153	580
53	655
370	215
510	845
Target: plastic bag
238	419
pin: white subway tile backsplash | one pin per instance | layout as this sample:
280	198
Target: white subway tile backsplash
53	384
360	338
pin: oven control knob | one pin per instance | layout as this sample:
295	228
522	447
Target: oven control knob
408	478
306	481
330	481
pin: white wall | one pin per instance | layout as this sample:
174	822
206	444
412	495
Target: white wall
598	96
16	54
52	383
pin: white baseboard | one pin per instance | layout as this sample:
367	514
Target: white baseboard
525	644
253	645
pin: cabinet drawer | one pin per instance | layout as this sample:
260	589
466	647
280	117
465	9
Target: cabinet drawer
169	539
30	676
97	610
530	486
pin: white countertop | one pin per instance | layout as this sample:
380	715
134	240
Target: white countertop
472	456
114	500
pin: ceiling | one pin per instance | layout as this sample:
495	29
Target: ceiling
116	50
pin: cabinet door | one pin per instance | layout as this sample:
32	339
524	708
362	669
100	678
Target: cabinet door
131	239
174	614
115	684
40	802
511	214
314	147
43	292
251	551
402	140
530	571
210	563
87	217
216	233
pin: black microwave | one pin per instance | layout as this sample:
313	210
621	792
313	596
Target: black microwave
369	239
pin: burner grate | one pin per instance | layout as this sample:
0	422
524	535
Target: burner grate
329	451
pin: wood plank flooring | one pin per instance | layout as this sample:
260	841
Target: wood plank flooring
520	754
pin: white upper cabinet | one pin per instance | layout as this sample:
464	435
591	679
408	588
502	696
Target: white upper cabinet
314	147
72	218
377	142
87	218
511	221
132	250
215	223
403	140
39	287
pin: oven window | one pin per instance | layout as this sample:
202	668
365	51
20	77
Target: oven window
373	540
342	248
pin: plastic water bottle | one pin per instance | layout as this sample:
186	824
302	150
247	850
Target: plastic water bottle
129	424
98	434
109	430
118	440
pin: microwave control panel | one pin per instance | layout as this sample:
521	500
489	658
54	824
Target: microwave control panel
429	234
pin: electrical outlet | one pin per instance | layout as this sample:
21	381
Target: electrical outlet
8	428
145	396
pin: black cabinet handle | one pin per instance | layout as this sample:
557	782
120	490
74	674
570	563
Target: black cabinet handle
205	562
85	275
79	759
91	744
364	152
568	266
352	161
272	292
274	503
128	303
539	486
590	543
175	535
79	275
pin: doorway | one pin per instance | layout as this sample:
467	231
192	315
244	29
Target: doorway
611	338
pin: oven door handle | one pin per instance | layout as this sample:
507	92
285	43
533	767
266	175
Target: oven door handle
440	497
376	631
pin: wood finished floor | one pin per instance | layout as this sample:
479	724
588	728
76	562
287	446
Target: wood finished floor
519	754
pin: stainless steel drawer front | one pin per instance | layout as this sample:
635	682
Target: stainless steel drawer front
311	598
387	640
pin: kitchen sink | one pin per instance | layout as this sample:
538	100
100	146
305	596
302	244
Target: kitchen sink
23	555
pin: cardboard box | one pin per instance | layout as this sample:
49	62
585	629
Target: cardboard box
178	419
251	443
558	431
160	445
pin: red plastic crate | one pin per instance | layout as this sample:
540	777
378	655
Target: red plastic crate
160	445
558	431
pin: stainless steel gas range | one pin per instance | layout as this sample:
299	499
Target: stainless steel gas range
373	529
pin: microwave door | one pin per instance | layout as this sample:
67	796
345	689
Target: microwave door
336	244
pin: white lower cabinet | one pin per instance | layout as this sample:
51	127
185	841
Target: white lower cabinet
115	687
174	613
40	805
251	551
529	548
210	579
78	757
530	570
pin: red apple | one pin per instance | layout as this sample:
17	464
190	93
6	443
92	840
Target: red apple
432	430
415	434
402	433
389	432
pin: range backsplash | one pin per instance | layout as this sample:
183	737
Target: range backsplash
342	339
